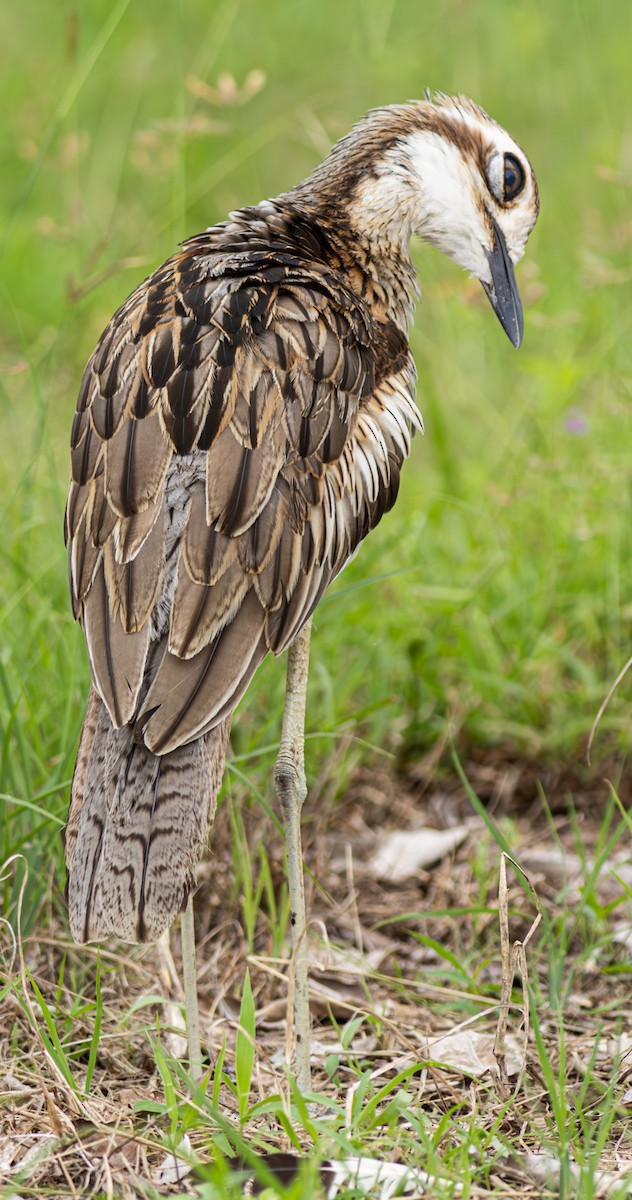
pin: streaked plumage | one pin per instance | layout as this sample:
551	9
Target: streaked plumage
240	428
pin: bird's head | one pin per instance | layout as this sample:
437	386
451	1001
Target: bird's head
443	169
476	197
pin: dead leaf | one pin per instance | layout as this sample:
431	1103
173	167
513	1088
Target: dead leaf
175	1036
348	964
404	853
546	1170
365	1176
172	1169
383	1179
472	1053
41	1147
568	870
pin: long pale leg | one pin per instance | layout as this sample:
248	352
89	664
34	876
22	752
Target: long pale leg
187	934
291	787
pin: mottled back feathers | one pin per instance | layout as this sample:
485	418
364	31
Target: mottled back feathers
237	397
239	429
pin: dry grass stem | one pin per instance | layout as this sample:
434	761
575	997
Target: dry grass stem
512	958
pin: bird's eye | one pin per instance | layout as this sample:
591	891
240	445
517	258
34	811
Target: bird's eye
513	178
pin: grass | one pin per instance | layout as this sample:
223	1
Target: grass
427	970
489	612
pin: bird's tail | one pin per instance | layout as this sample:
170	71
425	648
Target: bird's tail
136	826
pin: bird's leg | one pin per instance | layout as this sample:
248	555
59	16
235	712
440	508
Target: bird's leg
192	1015
292	789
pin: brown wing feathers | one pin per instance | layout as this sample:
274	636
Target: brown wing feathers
263	374
228	455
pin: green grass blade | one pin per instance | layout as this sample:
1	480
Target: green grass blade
245	1053
96	1032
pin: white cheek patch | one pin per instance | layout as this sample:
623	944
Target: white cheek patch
450	212
428	185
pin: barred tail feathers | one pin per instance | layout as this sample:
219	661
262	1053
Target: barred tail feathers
136	826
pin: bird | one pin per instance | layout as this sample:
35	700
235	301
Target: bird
240	429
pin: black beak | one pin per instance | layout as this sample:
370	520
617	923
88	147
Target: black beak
503	290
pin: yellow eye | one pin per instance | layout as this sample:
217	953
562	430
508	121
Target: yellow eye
513	178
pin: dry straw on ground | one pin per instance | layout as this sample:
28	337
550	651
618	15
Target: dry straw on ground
412	991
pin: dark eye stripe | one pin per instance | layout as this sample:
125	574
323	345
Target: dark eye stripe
513	178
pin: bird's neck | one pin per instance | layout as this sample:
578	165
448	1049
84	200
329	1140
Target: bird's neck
371	237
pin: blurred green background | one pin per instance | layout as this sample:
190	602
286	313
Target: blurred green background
495	601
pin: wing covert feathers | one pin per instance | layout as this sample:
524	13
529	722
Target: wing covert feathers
239	430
